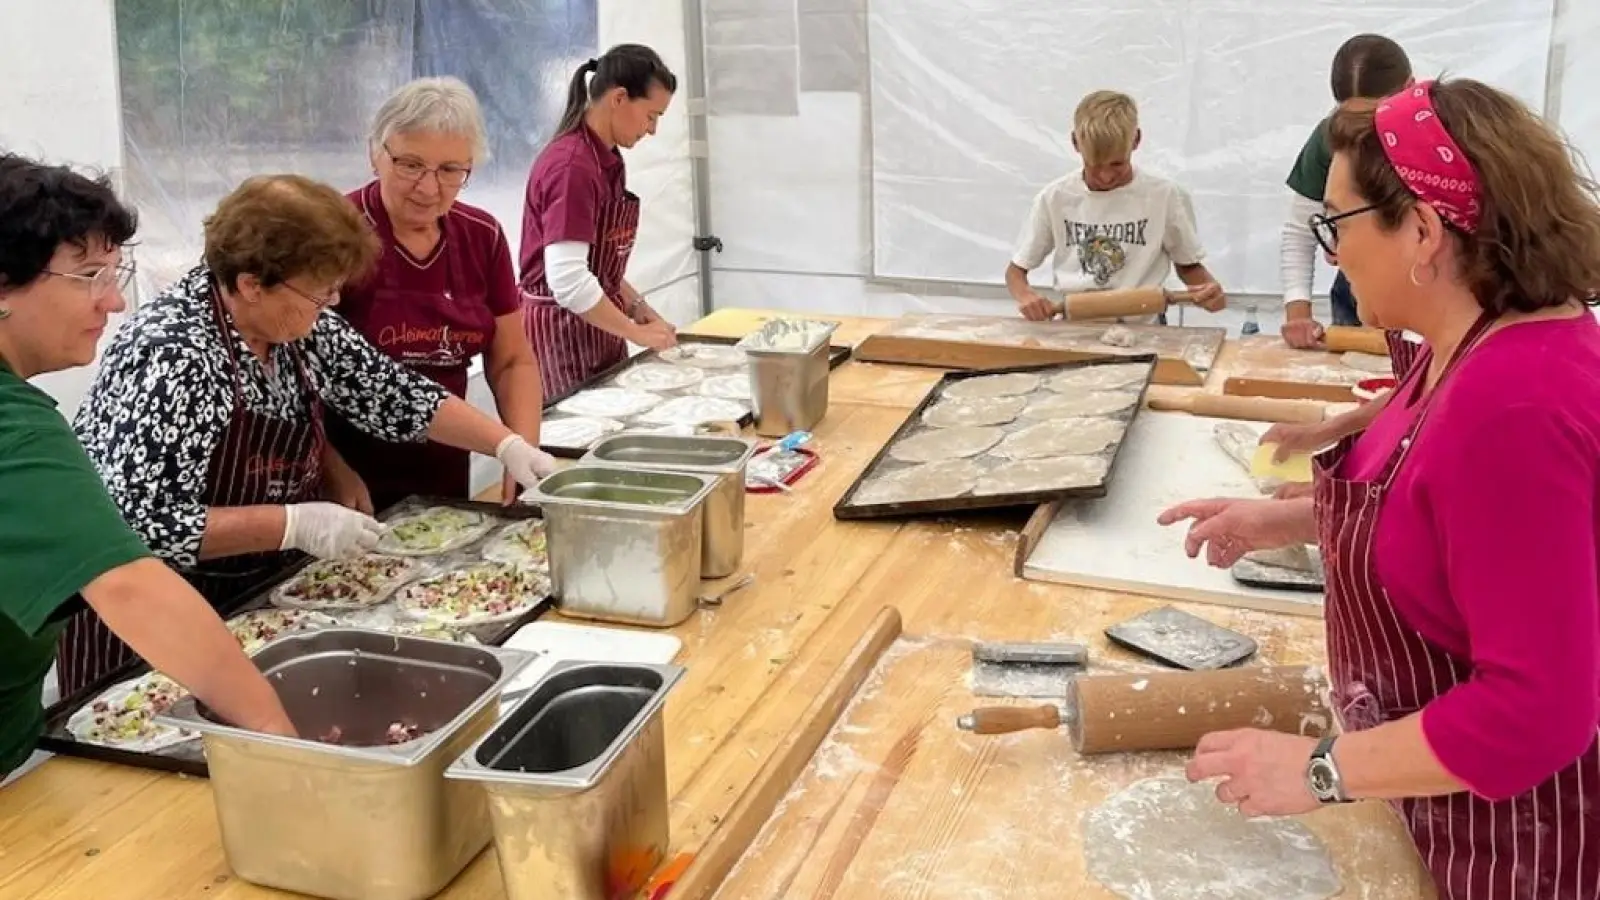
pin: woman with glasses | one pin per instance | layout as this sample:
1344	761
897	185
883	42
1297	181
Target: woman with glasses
1461	530
62	542
579	222
206	418
442	294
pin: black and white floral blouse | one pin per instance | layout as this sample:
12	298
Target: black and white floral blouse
164	396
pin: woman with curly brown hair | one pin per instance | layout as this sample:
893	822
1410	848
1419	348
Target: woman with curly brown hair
206	417
1461	531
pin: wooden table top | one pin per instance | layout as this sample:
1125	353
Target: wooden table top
897	804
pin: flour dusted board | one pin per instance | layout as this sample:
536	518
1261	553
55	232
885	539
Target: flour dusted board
1114	542
1047	432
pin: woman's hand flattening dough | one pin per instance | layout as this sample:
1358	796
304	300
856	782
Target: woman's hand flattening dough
1263	772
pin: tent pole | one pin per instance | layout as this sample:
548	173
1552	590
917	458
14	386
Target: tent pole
705	242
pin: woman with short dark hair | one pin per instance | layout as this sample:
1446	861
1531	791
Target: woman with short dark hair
1461	529
579	222
63	543
205	419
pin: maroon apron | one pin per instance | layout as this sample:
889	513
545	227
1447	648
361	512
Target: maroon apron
1402	353
570	350
1542	845
259	461
435	336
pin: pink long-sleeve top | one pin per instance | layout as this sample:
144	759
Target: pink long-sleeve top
1488	546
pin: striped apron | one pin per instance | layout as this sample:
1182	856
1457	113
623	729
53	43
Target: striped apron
1542	845
570	350
1402	353
260	461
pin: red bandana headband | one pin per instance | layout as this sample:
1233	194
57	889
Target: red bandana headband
1426	158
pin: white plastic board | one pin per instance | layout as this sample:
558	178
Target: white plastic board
1114	543
558	642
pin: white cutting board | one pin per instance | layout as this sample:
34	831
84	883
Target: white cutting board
1114	542
558	642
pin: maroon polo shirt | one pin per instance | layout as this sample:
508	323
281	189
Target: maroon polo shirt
572	180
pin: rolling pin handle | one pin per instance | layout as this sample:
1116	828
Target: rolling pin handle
1180	297
1008	719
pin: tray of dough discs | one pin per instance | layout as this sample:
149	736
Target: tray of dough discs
446	569
703	380
1005	437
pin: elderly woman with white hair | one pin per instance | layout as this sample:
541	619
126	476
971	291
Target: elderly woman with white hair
442	293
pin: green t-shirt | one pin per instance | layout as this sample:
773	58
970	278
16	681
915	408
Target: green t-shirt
1309	177
58	532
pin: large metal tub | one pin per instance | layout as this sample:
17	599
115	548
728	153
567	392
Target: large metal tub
577	782
789	370
624	543
722	531
368	820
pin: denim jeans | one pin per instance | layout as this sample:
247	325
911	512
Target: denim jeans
1343	302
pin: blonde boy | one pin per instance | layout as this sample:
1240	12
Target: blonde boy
1107	225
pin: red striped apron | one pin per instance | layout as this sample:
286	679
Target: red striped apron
1402	353
260	460
1542	845
570	350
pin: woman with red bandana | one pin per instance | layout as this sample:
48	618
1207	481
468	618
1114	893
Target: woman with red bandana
1461	530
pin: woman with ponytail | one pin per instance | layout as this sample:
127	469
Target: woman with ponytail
579	221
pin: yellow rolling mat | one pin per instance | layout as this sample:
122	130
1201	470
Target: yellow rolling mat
1297	468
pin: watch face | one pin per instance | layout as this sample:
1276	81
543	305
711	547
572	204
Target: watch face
1321	779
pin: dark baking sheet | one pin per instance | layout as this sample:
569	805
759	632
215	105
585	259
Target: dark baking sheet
845	509
189	759
837	355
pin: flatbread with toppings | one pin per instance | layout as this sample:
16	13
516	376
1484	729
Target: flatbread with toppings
124	716
474	595
437	530
519	544
260	627
338	584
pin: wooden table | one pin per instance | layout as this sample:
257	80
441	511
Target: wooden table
930	811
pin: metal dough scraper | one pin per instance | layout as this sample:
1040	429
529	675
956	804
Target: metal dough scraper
1026	669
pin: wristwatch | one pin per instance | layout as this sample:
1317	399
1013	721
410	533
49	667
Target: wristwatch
1322	775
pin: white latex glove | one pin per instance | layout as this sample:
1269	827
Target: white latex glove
523	461
329	530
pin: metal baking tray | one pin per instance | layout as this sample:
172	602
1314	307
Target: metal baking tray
187	758
837	355
847	508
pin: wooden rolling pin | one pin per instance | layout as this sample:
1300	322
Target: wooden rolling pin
1171	710
1253	409
1344	339
1148	301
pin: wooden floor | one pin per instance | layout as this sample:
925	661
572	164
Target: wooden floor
897	804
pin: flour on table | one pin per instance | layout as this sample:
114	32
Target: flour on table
1012	384
1060	437
945	443
1239	441
1065	406
1119	336
1098	378
1168	839
661	377
1368	362
1028	476
985	411
931	481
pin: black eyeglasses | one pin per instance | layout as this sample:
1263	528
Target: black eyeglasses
411	169
1326	229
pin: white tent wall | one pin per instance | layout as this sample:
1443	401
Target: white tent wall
892	181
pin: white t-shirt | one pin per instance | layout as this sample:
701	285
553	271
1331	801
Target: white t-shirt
1102	240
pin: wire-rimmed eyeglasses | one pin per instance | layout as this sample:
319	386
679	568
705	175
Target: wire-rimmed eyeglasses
105	280
412	169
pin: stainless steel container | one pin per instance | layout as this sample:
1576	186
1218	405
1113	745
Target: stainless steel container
365	819
788	374
577	782
722	531
624	543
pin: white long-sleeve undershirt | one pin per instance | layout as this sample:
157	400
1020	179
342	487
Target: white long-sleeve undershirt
566	270
1297	250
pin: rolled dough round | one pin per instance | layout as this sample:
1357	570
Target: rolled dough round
1011	384
931	481
989	411
728	387
576	431
1060	437
1066	406
1027	476
1166	839
660	377
1097	378
705	356
608	403
693	410
937	444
